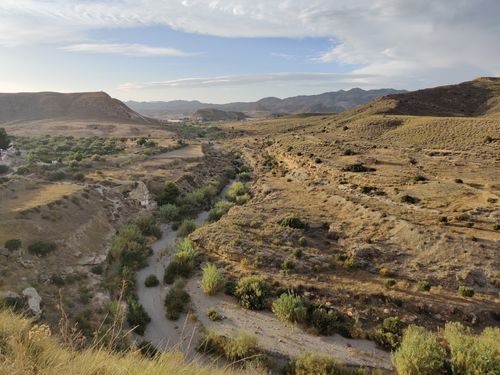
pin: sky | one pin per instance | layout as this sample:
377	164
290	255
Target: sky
242	50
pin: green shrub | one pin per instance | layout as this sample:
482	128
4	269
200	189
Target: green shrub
129	247
220	209
424	286
389	334
252	292
389	283
357	167
242	347
443	219
244	176
242	199
3	168
465	291
137	317
147	349
419	353
289	308
314	364
176	300
168	212
169	194
292	221
419	178
97	269
302	241
213	315
236	189
148	227
151	281
327	321
183	262
187	227
41	248
212	280
13	244
287	265
471	354
409	199
298	253
4	139
57	280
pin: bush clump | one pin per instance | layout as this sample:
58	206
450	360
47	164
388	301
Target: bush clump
168	212
389	282
419	353
472	354
148	227
168	194
13	244
137	317
327	321
252	292
409	199
41	248
424	286
183	261
213	315
389	333
220	209
314	364
176	300
151	281
465	291
242	347
289	308
187	227
292	221
357	167
212	281
237	189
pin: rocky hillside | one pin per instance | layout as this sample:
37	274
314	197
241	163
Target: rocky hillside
336	101
480	97
212	114
76	106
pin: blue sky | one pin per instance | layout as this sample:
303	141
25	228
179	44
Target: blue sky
220	51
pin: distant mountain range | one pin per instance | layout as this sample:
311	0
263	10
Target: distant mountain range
336	101
92	106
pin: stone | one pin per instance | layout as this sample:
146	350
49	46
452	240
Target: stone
34	301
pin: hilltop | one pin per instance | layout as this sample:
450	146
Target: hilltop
95	106
335	101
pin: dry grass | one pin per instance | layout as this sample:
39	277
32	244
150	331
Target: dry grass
31	349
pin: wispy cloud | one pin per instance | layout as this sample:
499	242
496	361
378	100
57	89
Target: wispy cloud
126	49
238	80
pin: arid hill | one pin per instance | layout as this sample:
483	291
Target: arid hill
75	106
212	114
480	97
336	101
